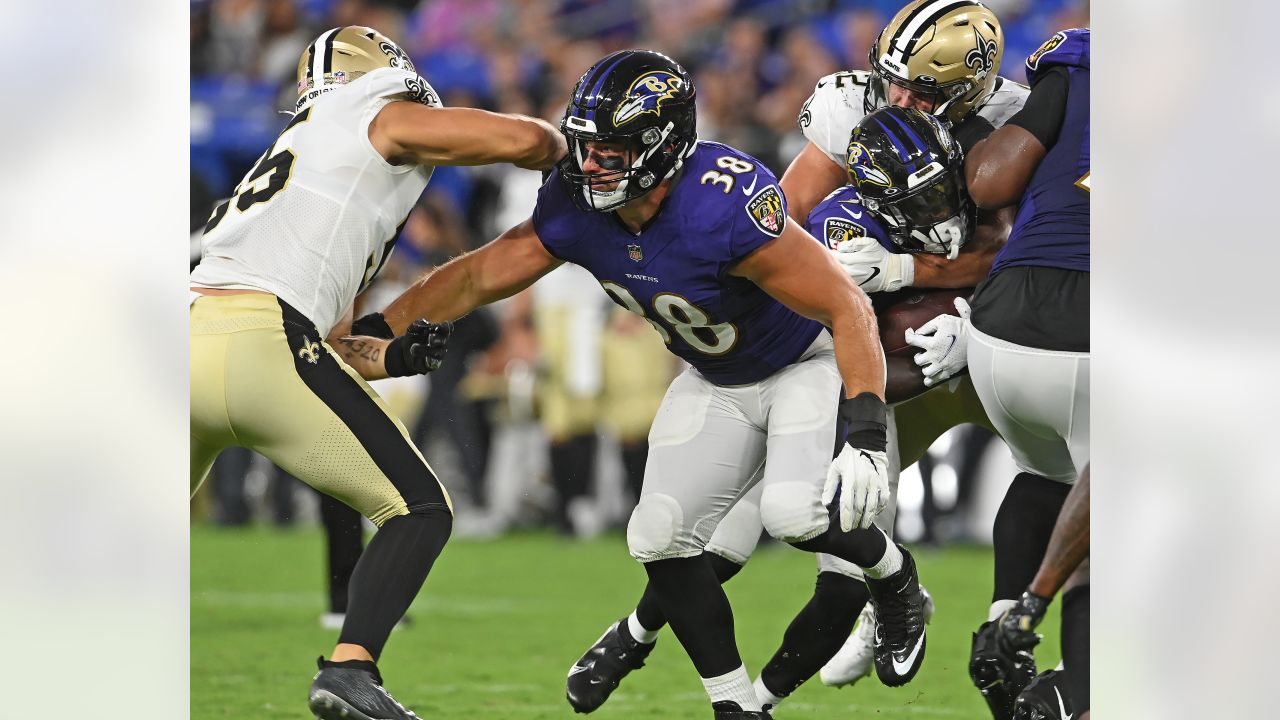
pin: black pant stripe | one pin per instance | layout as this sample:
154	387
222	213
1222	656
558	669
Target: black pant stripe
376	431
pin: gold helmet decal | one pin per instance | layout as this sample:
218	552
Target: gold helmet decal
343	55
951	48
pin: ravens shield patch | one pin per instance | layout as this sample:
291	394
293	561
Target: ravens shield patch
767	211
836	230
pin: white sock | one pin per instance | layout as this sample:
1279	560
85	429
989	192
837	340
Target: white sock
734	685
998	607
639	632
888	565
764	695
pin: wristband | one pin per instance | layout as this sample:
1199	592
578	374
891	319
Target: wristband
866	418
372	325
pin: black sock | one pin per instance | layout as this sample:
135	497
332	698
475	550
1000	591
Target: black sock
344	536
572	471
1075	645
817	632
649	612
1021	532
390	574
863	548
698	611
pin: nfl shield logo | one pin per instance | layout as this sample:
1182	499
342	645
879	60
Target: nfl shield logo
634	252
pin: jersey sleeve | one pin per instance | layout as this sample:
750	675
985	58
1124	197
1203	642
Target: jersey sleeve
841	216
828	116
552	216
1067	48
388	84
758	219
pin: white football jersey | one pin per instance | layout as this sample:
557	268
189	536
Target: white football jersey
838	103
317	216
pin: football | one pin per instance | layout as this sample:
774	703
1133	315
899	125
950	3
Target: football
912	308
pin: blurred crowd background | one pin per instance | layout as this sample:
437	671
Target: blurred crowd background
539	416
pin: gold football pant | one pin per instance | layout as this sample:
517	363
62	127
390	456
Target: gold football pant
263	378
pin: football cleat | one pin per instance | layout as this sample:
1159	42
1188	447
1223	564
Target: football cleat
1045	698
999	677
353	693
601	669
730	710
856	657
899	635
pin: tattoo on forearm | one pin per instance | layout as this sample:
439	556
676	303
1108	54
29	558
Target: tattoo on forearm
354	347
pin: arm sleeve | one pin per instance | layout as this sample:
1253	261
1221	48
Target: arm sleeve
1045	108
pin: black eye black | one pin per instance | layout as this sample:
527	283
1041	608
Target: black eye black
611	162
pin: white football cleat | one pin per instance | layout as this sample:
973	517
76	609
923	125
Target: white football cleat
856	657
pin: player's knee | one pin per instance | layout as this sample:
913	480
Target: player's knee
656	530
791	513
737	534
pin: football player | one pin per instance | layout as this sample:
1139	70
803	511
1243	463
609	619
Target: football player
1026	340
783	348
906	192
282	260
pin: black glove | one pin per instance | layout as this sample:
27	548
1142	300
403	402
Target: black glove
1017	626
420	350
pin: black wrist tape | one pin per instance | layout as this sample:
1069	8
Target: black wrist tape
394	362
866	418
372	325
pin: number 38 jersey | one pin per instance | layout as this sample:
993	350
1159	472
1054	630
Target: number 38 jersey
723	206
317	216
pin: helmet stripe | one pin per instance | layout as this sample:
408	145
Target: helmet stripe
903	42
601	77
903	153
322	59
920	144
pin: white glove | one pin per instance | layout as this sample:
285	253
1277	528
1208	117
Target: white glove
873	268
862	479
945	345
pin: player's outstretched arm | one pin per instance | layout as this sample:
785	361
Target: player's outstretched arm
409	132
804	276
500	269
808	179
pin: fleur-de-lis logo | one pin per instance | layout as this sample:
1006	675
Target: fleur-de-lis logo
983	56
310	351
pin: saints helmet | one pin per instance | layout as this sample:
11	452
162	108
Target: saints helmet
341	55
909	171
948	49
642	100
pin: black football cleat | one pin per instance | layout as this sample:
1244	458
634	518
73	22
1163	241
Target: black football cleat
998	676
1045	698
730	710
353	693
899	638
601	669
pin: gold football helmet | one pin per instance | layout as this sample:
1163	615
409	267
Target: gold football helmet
341	55
948	49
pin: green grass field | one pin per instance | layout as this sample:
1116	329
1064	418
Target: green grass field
499	623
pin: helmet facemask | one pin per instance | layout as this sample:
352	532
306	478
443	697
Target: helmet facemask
638	163
934	217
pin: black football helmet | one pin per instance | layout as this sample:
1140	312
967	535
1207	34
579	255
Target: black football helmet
642	100
910	172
